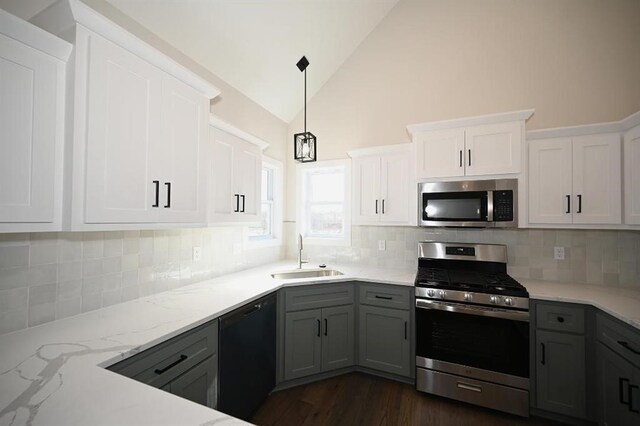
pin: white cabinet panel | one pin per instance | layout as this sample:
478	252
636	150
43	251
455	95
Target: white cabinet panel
123	137
440	154
222	184
632	176
31	84
248	178
597	179
366	196
395	186
550	181
185	134
493	149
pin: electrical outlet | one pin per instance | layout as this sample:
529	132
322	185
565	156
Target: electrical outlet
197	254
382	245
558	253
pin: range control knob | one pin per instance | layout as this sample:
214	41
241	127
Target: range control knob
442	294
431	292
468	297
508	301
494	299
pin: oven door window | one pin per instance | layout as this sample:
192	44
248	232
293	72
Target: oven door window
455	206
483	342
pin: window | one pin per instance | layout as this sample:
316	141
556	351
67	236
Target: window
324	216
269	231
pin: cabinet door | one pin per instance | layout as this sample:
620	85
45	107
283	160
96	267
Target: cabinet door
248	177
440	154
30	87
493	149
632	176
395	189
550	180
185	116
560	373
199	384
123	116
597	178
615	375
222	190
302	344
366	190
384	340
337	339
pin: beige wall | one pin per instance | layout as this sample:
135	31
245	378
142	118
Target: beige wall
574	61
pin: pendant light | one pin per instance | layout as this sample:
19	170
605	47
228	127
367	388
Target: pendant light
304	144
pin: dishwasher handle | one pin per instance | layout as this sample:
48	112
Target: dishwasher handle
246	310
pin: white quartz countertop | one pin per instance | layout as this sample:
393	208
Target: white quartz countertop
53	374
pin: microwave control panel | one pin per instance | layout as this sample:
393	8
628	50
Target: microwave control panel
503	206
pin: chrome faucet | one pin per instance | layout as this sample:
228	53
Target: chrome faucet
300	261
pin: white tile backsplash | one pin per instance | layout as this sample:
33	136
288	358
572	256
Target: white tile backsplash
47	276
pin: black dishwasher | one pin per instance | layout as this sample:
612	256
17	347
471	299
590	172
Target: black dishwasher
247	348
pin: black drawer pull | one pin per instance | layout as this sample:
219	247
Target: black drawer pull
157	184
460	158
384	297
622	382
631	388
544	355
383	206
579	203
405	330
318	327
469	157
168	185
376	206
568	203
326	327
560	319
627	346
170	366
242	196
237	210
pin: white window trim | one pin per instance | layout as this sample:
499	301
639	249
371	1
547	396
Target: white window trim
300	220
278	206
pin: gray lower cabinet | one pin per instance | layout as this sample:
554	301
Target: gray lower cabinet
384	342
318	340
618	397
186	365
560	373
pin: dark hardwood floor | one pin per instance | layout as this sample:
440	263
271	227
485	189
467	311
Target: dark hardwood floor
361	399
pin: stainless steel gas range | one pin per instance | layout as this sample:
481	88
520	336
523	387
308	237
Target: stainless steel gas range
472	327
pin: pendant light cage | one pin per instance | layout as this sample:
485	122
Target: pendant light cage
304	144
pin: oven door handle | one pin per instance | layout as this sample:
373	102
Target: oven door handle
462	309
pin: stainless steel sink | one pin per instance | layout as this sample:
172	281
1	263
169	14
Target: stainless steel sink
314	273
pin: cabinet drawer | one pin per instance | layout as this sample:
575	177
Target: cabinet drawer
159	365
622	339
298	299
567	318
387	296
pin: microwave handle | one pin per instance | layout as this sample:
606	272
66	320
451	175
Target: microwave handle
489	206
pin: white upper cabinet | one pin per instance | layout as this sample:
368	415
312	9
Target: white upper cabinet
476	146
235	170
384	186
575	180
140	128
632	176
32	82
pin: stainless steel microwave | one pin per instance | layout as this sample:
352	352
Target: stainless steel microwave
471	203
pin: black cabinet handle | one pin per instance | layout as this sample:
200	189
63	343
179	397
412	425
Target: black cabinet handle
157	184
579	203
560	319
627	346
384	297
376	206
622	383
631	388
242	196
544	354
318	327
170	366
460	158
237	202
469	156
568	204
382	206
326	327
168	185
405	330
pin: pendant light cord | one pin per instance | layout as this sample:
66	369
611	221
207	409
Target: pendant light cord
305	103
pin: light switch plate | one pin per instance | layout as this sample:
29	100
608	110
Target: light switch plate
197	254
382	245
558	253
